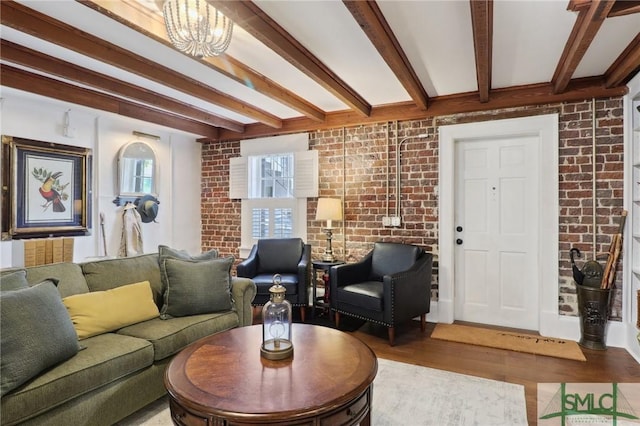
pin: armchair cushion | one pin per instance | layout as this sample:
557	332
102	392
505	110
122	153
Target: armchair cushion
367	295
391	258
279	255
265	281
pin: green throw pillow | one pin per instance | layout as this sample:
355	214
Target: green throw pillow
165	251
37	333
14	281
195	287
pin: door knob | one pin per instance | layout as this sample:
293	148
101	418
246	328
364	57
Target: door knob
459	228
459	241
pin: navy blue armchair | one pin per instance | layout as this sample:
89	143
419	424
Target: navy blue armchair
290	258
391	285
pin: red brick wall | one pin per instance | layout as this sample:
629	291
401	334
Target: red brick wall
354	163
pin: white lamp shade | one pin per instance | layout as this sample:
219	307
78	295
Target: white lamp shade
329	209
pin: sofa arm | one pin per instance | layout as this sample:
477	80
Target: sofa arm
243	290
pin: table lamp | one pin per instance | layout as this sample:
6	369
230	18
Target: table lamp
329	209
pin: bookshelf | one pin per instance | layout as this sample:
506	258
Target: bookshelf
634	214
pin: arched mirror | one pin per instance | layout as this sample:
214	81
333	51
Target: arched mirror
137	171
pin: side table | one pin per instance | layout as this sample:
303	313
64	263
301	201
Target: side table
321	302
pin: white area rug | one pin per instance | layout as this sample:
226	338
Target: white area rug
405	394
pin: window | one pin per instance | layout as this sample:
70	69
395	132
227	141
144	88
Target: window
273	177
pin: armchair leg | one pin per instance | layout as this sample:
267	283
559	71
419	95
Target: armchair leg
392	335
337	320
423	322
303	311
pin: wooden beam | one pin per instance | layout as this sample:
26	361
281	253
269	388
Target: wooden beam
370	18
39	25
482	24
625	66
584	30
51	88
257	23
134	16
620	8
535	94
624	7
39	61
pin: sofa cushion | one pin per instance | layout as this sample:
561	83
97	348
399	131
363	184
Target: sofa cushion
111	273
107	358
279	255
196	287
99	312
36	333
69	276
14	281
166	252
172	335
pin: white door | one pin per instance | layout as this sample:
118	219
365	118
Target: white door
497	228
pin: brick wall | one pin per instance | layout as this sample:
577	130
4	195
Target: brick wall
356	161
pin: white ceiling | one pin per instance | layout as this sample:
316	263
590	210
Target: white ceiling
529	37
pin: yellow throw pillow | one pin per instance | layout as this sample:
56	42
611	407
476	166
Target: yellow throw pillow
99	312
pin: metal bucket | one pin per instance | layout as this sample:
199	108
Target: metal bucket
593	305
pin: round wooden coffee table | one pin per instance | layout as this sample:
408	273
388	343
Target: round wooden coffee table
222	379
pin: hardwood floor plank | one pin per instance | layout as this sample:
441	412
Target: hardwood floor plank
414	347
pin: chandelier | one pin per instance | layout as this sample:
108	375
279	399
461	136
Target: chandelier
197	28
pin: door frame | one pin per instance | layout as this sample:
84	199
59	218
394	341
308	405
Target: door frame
546	128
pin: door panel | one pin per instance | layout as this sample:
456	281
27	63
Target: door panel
496	273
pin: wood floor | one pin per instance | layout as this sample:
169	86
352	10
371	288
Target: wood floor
414	347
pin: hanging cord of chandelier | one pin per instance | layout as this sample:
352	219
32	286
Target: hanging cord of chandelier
197	28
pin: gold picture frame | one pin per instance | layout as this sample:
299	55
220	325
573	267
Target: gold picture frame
46	189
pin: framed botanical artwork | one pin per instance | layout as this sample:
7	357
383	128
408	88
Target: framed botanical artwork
46	189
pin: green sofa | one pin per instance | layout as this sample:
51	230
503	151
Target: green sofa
115	373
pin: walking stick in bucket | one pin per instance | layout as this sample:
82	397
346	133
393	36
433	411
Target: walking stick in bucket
614	255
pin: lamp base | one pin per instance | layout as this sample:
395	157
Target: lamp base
268	350
328	252
328	257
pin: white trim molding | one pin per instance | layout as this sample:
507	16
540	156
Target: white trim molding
545	127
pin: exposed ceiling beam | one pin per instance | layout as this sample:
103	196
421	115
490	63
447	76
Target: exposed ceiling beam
535	94
55	89
482	24
257	23
625	66
620	8
370	18
624	7
39	25
17	54
140	19
584	30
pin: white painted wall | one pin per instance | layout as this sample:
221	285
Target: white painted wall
179	155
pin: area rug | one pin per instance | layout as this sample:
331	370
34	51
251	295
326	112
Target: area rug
519	342
405	394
